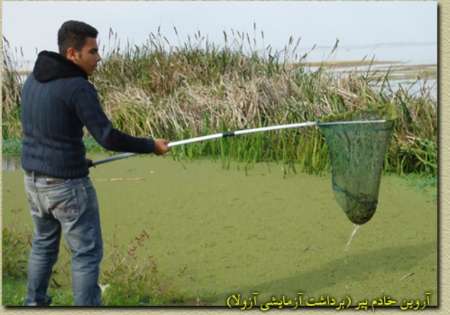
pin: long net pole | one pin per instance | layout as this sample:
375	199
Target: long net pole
237	133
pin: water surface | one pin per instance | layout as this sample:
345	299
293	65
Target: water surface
214	232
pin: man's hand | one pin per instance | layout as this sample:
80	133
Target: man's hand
89	162
161	146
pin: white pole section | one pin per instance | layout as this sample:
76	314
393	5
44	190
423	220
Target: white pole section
240	132
298	125
196	139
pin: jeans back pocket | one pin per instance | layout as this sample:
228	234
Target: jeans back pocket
63	202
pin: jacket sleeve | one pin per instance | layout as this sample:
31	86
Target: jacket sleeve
91	115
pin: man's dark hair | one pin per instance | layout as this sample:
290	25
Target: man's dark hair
74	34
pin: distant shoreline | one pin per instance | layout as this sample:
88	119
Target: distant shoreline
335	64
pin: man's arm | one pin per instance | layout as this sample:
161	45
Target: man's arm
91	114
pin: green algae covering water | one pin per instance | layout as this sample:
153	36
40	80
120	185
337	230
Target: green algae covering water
215	232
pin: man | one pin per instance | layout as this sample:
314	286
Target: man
57	102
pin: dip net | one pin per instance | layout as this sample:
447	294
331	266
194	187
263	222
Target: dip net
357	152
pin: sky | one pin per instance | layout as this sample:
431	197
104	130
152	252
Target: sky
386	30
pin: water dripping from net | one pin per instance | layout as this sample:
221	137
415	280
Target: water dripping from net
355	229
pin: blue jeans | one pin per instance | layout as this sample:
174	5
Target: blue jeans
70	206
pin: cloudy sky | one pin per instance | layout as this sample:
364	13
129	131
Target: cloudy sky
400	30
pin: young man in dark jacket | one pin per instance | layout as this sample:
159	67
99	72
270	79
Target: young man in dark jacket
57	102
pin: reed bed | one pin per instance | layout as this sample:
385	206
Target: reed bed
196	88
11	88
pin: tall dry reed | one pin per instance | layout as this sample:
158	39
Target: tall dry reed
196	88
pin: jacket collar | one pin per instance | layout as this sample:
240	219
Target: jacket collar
51	66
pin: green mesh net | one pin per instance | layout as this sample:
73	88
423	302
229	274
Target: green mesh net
357	153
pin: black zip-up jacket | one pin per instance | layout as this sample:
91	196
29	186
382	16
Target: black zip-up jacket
57	101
